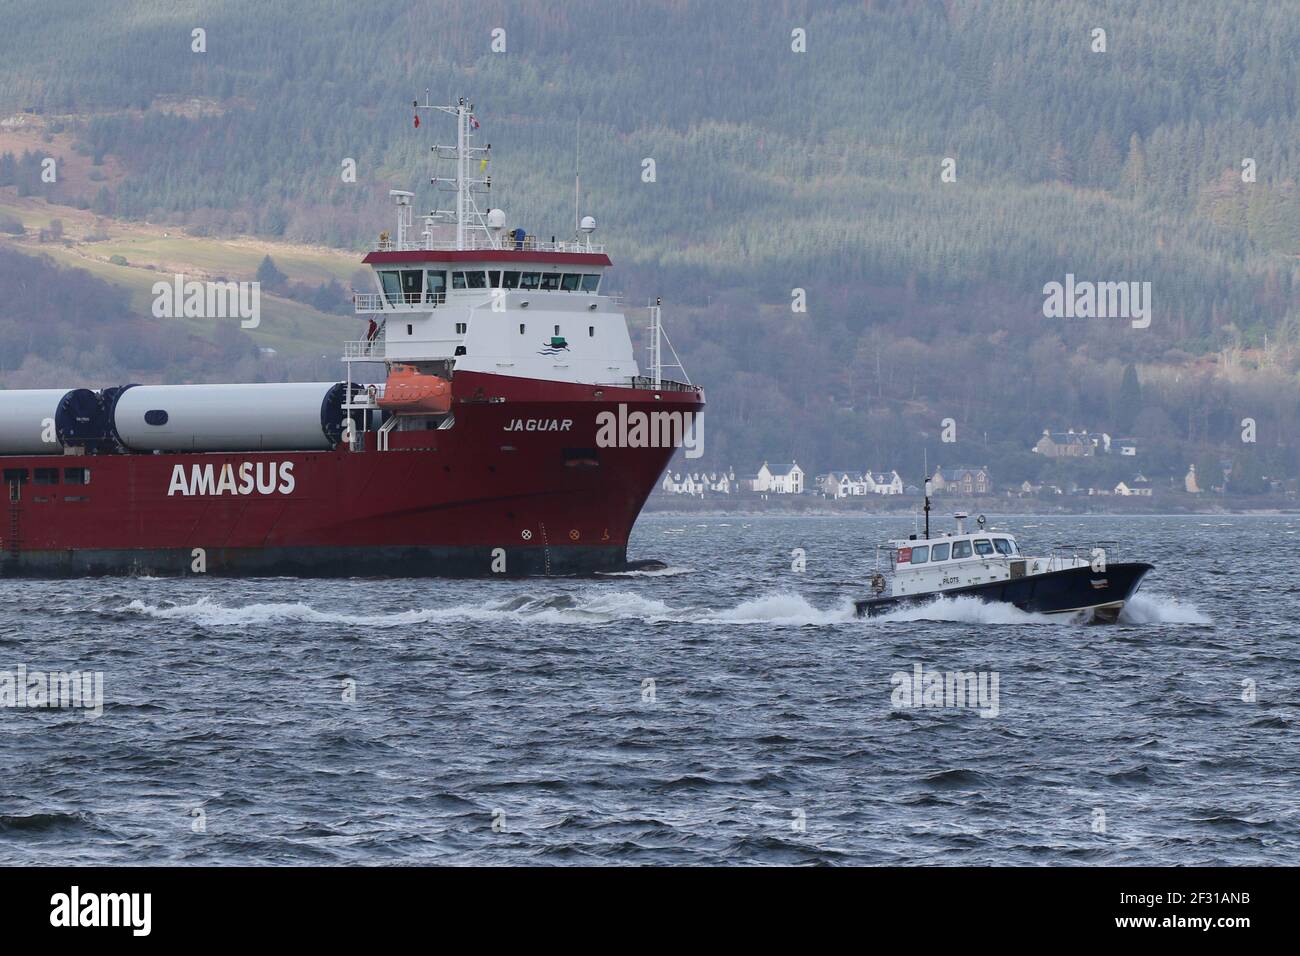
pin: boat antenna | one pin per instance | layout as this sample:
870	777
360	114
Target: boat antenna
577	179
927	508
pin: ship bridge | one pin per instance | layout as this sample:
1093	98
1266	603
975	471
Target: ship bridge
472	291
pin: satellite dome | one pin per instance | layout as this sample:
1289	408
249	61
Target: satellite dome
588	224
496	219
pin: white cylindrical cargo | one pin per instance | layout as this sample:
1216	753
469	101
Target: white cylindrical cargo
293	416
27	420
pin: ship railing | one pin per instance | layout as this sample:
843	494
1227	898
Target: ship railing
502	243
663	385
366	302
1063	556
364	349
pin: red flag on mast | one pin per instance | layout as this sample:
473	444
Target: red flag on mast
417	120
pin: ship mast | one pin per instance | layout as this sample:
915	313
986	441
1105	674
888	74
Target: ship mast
465	214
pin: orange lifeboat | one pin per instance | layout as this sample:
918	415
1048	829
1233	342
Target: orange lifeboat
410	391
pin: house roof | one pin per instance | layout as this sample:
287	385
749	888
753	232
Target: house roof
783	468
955	474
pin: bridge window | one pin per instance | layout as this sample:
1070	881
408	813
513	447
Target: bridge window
551	282
47	476
940	552
412	286
392	285
510	280
462	328
570	282
76	476
1004	546
983	547
590	283
921	555
960	549
469	280
530	280
436	285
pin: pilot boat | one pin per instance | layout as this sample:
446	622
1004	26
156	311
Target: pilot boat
989	566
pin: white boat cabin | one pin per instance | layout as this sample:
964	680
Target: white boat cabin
946	561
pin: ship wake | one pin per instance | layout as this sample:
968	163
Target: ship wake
600	607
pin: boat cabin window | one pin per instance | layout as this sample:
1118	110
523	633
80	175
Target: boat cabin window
510	280
941	552
530	280
590	283
435	283
921	555
960	549
570	282
76	476
983	547
47	476
1004	546
550	282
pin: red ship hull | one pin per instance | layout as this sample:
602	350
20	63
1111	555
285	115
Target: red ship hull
517	486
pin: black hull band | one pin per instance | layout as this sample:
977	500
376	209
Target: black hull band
324	562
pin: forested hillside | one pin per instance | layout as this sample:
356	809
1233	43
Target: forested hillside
1169	158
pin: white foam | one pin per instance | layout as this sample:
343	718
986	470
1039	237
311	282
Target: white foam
600	606
594	608
1148	608
646	573
969	610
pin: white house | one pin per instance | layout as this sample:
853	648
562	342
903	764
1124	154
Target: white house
884	482
1138	487
698	483
780	479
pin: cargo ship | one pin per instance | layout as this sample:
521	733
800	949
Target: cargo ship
492	420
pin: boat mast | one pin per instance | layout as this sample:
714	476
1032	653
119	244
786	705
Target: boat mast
466	214
927	508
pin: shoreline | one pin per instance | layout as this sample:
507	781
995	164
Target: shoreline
819	507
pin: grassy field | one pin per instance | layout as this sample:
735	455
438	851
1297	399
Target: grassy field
156	253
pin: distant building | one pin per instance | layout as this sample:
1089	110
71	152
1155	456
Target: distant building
784	478
1067	444
699	484
1190	483
851	484
1082	444
884	482
1138	487
962	480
